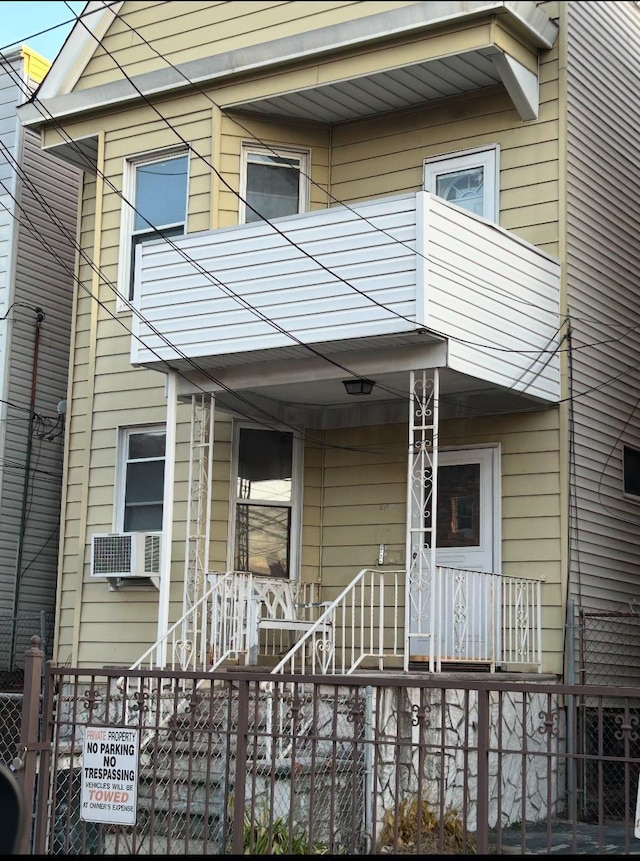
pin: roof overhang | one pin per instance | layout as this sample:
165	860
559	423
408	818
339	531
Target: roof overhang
389	60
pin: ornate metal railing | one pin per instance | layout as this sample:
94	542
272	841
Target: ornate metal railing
479	618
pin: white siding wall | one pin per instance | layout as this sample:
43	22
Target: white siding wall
603	256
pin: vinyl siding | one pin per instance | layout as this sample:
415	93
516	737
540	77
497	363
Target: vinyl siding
351	504
603	257
39	229
365	503
204	30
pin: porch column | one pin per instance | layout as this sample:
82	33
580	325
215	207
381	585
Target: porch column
196	556
420	600
167	518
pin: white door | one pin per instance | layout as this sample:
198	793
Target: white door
465	533
464	617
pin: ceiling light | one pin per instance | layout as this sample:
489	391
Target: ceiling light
358	386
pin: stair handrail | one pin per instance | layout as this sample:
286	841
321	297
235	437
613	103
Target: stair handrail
321	649
192	611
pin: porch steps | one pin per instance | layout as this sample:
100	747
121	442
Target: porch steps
187	769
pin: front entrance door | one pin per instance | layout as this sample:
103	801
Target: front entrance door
463	623
466	509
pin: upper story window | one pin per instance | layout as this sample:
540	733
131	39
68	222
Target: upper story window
141	495
631	471
157	187
274	183
469	179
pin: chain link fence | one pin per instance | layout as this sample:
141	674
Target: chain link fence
10	724
18	630
15	637
608	729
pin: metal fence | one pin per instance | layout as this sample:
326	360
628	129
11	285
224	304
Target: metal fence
243	762
15	636
609	648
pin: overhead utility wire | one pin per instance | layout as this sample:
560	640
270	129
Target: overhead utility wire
283	234
485	284
173	346
76	17
99	272
296	430
279	422
324	189
276	418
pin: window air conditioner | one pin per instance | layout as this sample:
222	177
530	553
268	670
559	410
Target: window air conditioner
126	555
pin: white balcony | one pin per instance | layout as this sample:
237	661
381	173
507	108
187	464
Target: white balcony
385	273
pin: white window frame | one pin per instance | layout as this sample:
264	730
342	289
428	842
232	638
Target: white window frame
295	538
488	158
122	459
127	214
303	155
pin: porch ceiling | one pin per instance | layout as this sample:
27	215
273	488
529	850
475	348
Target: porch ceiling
324	403
405	87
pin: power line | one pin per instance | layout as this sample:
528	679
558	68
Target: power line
551	352
76	17
282	233
136	311
305	435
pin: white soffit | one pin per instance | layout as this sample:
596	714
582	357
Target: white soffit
435	78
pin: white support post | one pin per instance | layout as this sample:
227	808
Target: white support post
421	623
196	562
167	518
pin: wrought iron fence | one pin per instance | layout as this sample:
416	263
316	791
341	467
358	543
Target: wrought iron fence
251	763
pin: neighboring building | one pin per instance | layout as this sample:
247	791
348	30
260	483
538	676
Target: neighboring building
449	197
38	214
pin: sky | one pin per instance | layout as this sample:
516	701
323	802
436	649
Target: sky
22	20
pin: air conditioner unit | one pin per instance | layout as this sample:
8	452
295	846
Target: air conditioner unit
126	555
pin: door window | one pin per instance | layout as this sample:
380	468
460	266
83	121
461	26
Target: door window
459	500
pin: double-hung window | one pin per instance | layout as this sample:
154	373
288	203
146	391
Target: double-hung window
265	501
157	188
274	183
141	486
468	179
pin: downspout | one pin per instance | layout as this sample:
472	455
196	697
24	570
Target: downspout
25	488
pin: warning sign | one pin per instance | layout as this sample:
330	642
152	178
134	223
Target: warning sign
109	775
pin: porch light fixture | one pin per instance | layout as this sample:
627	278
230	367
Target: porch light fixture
359	386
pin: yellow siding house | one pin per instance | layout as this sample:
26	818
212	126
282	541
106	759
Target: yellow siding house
352	334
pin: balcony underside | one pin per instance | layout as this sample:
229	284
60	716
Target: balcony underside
368	66
311	391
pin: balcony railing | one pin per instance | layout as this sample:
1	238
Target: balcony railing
399	270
